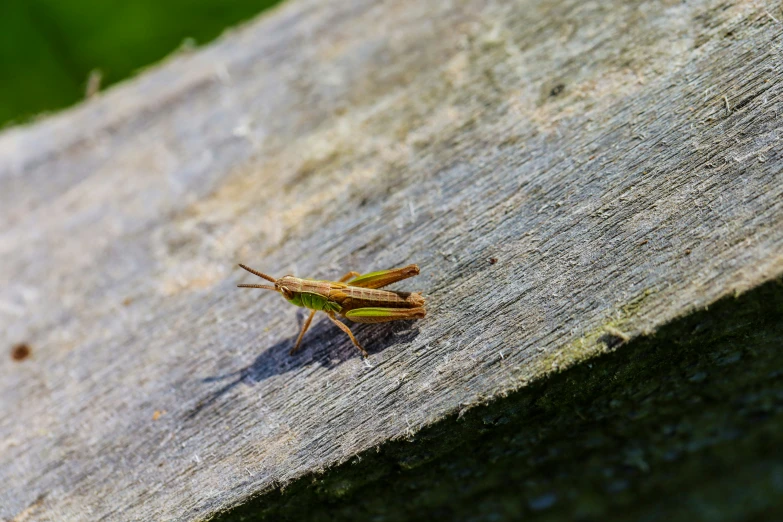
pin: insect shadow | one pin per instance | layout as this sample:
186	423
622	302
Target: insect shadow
325	345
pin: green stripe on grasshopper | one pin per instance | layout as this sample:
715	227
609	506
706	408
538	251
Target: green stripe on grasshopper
378	315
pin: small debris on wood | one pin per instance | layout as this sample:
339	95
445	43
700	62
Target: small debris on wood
613	337
20	352
617	333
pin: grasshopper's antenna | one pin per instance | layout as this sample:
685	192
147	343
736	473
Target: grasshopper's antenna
259	274
266	287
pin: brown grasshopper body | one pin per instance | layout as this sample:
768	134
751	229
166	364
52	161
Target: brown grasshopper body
355	297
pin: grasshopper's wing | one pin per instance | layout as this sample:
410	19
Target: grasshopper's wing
384	277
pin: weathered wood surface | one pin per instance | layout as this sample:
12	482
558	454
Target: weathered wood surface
681	426
620	160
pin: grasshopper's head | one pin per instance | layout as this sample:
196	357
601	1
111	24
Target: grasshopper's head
281	285
289	286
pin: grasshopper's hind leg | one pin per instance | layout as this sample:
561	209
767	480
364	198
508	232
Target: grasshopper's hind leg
382	315
301	334
347	330
383	277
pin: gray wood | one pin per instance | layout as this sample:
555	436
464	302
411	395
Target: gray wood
620	161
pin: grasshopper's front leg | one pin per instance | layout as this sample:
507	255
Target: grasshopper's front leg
301	334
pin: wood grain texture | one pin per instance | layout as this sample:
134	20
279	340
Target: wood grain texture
620	160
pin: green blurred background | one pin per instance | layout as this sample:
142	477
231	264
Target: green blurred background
49	47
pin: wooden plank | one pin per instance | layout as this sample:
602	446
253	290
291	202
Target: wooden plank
680	426
620	162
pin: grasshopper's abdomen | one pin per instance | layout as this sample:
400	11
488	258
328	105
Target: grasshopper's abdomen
356	297
331	296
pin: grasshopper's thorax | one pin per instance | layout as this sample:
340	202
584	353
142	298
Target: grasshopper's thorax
308	293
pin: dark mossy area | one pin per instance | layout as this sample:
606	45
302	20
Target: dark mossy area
48	48
683	425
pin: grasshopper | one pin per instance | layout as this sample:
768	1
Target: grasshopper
355	297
